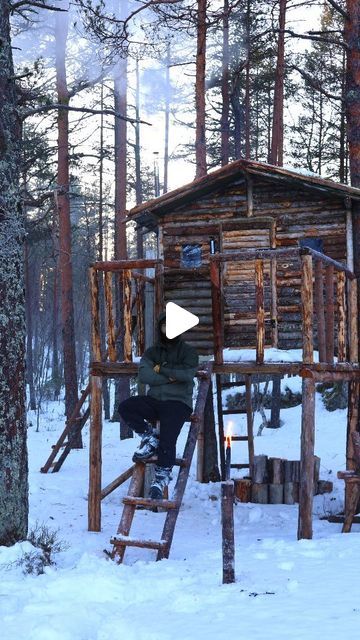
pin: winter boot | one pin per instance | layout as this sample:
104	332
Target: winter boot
148	446
161	480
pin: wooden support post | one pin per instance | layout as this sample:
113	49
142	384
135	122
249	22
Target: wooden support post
260	312
215	277
329	312
127	315
307	307
139	293
221	425
94	501
320	310
249	422
353	322
159	291
341	313
274	305
307	459
227	520
352	425
109	312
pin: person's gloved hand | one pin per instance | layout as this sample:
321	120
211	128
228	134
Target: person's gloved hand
157	368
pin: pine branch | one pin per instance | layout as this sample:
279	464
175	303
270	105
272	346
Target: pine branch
34	3
108	112
339	9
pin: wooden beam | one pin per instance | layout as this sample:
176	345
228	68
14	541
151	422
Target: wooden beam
260	313
120	265
329	312
341	314
127	315
217	317
110	319
320	310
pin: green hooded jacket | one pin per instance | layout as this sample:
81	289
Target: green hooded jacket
177	360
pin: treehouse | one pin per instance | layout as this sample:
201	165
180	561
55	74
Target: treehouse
264	257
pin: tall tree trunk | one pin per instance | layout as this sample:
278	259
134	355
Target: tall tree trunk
200	139
247	82
167	117
13	450
277	141
105	383
63	204
29	332
225	87
352	38
122	385
342	150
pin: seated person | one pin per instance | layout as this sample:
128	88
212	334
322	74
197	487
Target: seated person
168	368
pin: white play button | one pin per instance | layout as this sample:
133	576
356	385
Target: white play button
178	320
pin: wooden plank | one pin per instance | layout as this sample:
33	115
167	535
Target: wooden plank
274	304
320	310
120	265
147	502
341	314
159	291
220	425
125	541
329	312
249	421
260	313
307	459
307	309
110	316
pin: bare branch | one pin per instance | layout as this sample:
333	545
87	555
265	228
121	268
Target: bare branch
317	85
108	112
34	3
310	36
339	9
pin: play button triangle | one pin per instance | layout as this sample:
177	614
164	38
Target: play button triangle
178	320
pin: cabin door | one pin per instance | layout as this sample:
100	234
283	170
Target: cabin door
239	283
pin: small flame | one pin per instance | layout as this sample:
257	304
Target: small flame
228	433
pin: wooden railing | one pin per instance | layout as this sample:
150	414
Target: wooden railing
328	302
119	286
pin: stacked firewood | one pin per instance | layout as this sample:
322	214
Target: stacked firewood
276	481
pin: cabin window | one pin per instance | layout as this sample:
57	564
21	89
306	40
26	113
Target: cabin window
313	243
191	255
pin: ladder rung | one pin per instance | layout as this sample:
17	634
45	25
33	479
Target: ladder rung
230	412
179	462
238	438
230	385
147	502
130	542
239	466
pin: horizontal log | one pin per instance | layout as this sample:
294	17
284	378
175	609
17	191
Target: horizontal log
131	542
120	265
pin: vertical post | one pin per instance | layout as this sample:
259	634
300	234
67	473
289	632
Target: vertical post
159	290
94	501
249	422
227	520
274	305
320	310
329	312
215	279
353	321
307	459
340	299
260	312
307	307
110	322
127	315
139	292
221	424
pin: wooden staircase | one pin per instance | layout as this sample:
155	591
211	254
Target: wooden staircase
133	500
249	438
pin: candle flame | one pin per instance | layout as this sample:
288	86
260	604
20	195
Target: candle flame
228	433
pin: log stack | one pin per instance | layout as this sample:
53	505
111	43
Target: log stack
276	481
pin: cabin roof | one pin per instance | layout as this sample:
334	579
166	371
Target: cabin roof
147	211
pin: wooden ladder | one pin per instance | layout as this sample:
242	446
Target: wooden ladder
249	438
172	507
73	427
352	482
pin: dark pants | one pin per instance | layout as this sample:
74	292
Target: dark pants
171	413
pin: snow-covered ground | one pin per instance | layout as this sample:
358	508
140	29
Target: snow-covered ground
285	589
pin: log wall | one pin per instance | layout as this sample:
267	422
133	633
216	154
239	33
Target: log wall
281	214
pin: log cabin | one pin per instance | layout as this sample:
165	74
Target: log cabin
247	205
